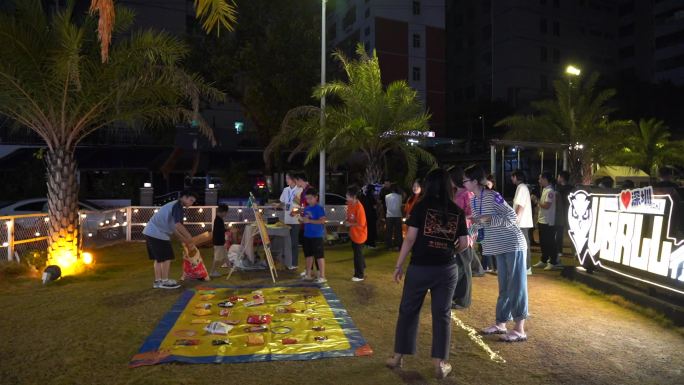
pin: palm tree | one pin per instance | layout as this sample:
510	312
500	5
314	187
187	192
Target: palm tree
212	13
368	119
649	147
53	82
578	117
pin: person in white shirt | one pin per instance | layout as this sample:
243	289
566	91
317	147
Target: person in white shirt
522	205
393	236
289	199
547	222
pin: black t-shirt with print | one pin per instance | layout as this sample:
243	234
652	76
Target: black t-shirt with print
435	241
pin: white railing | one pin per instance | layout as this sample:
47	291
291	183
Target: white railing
25	233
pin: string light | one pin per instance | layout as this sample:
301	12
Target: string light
37	234
201	210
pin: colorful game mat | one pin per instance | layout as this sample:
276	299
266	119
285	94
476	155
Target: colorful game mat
253	324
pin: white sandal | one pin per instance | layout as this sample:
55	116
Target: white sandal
493	330
514	336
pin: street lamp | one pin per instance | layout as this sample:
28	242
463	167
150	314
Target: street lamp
572	70
321	164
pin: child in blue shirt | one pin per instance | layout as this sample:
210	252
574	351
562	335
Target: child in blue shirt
313	218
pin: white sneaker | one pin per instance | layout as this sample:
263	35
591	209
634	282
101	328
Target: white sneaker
307	278
169	284
303	274
548	267
320	280
157	284
539	264
529	271
356	279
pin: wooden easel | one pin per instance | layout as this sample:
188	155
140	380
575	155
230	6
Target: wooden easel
265	240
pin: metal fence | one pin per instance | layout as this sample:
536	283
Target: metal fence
28	233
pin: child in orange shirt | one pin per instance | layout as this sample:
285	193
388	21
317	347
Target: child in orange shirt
358	231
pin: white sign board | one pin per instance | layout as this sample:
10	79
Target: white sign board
628	234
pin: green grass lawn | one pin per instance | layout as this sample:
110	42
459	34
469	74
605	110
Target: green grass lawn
85	329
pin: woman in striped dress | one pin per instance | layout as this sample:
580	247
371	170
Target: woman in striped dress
494	221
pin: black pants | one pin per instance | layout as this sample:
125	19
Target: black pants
560	234
441	282
359	260
393	237
372	230
547	238
462	293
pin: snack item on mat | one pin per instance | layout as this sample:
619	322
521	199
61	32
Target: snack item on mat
256	329
235	299
320	338
281	330
224	312
220	342
289	341
255	340
200	321
187	342
258	300
313	318
286	302
217	327
201	312
203	306
318	328
185	333
255	319
231	321
285	310
226	304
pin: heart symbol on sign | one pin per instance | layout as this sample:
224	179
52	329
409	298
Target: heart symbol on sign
626	198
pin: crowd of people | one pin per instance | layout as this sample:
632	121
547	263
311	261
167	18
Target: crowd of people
453	225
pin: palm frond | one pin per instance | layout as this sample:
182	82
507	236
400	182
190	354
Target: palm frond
106	13
215	14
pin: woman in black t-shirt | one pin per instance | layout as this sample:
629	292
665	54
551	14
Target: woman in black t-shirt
436	232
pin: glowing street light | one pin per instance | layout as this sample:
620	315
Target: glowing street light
572	70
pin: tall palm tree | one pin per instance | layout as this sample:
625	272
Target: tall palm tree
649	147
53	82
367	119
212	13
578	117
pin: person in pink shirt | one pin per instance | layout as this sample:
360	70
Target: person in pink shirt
469	264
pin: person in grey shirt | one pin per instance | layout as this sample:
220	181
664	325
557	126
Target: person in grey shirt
168	220
393	236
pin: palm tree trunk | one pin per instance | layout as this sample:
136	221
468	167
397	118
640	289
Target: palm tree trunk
63	231
373	172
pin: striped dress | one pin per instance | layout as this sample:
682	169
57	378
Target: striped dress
502	235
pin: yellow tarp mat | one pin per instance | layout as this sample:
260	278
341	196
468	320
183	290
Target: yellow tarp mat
306	322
